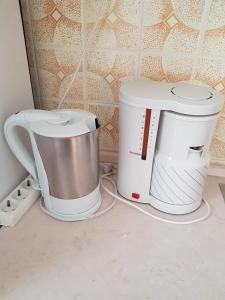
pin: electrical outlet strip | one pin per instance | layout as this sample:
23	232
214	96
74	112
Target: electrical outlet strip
17	203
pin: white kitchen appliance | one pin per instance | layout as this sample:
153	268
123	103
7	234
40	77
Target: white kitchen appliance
165	133
64	161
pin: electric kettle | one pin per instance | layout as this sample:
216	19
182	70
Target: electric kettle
64	161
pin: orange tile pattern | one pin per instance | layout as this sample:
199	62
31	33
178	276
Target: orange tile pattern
160	40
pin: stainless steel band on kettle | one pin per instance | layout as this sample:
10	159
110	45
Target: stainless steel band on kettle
71	164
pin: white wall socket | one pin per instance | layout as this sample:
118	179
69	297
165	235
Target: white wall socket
16	204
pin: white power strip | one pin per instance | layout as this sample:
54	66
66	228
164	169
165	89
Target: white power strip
17	203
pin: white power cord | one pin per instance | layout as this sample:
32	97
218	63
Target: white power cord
115	195
103	211
84	50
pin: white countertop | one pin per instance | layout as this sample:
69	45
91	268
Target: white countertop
121	255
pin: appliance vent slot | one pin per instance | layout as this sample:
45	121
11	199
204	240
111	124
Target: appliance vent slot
197	148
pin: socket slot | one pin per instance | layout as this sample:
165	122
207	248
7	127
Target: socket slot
9	205
28	184
20	194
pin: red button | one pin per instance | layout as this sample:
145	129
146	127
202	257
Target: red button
135	195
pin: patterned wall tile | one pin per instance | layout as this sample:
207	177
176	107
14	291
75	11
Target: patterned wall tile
58	62
61	32
109	133
30	49
106	71
189	12
210	71
70	9
214	43
56	71
57	22
156	11
34	83
220	129
216	16
221	88
211	63
92	8
151	67
155	37
166	47
156	26
57	31
41	8
178	69
47	60
53	104
179	52
54	85
218	144
120	27
170	39
217	151
49	83
182	41
43	30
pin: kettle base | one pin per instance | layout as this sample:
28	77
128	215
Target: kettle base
84	211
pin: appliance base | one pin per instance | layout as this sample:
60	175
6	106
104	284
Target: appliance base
161	205
173	208
73	209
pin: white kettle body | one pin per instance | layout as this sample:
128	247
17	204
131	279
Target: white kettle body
64	161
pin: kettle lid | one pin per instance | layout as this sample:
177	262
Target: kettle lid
70	122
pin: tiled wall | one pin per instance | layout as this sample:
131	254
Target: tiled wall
170	40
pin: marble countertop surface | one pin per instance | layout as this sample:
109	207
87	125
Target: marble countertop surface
120	255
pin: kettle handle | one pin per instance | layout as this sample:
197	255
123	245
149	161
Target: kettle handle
15	143
23	119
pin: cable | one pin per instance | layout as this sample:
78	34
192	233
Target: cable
115	195
83	53
102	212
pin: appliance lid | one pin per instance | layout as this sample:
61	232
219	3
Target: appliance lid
71	122
183	98
192	92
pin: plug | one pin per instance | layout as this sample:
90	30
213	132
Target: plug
107	168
